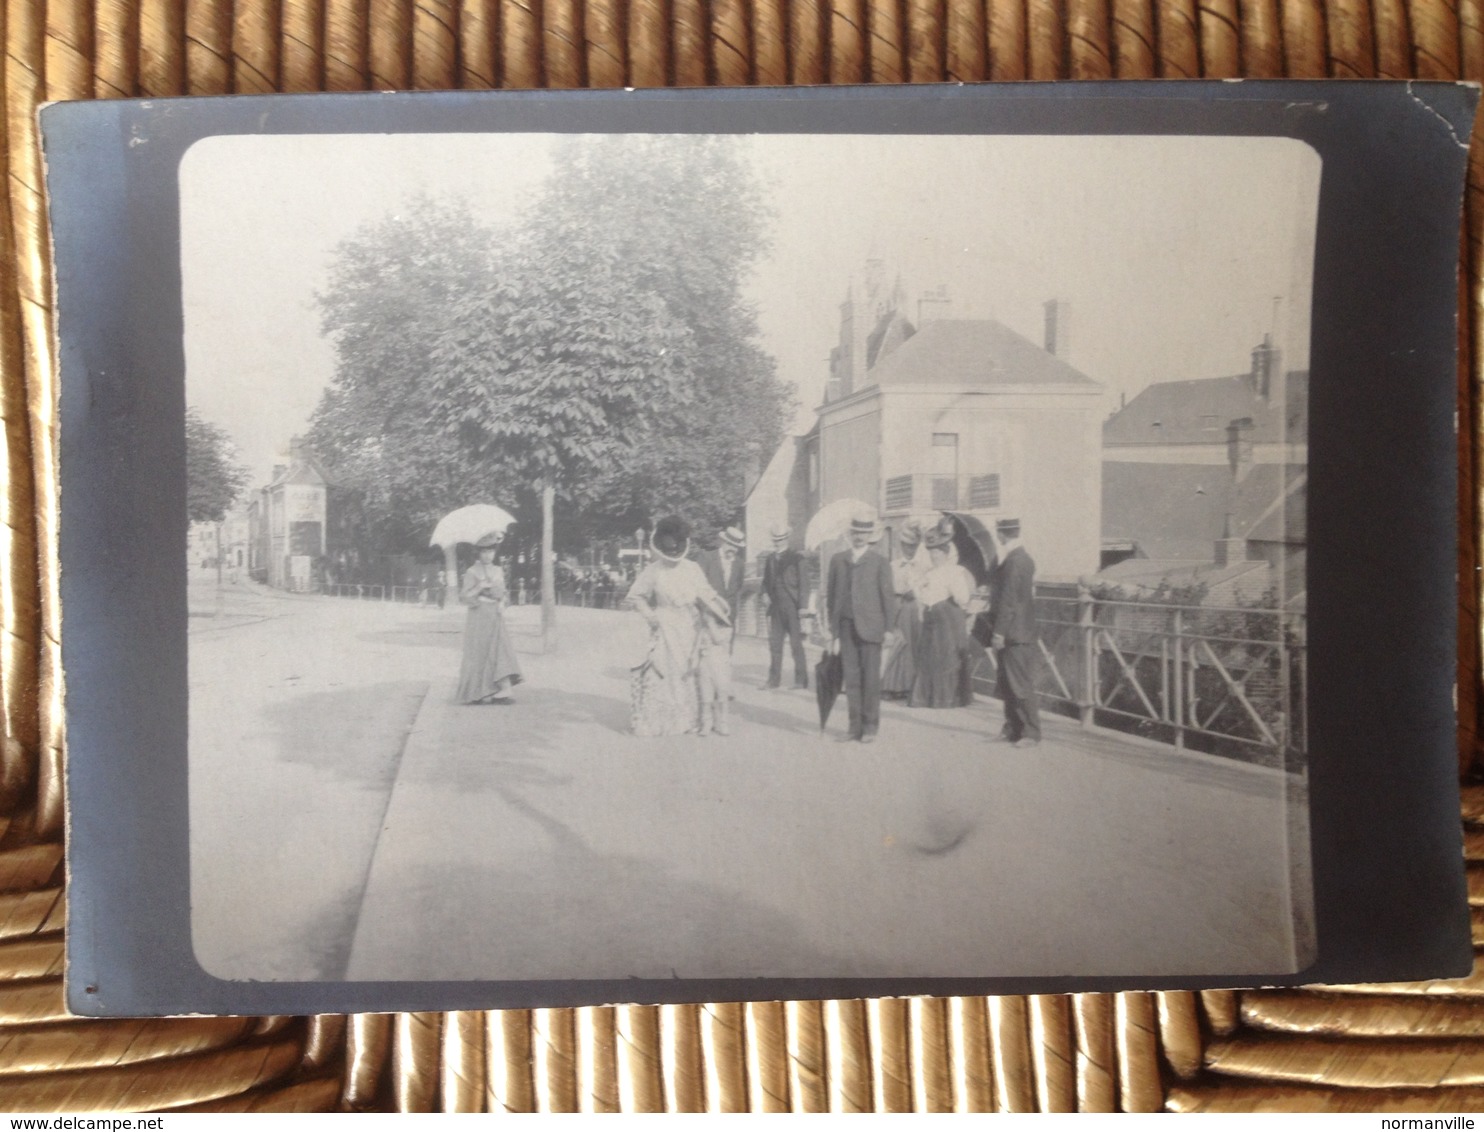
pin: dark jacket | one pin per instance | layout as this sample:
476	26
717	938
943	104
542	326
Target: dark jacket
730	587
1012	598
783	578
873	599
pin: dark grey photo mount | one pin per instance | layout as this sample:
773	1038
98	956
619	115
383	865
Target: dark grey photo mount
1387	870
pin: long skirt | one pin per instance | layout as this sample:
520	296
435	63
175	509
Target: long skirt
943	662
489	665
900	671
665	690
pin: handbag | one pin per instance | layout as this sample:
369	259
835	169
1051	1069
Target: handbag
983	630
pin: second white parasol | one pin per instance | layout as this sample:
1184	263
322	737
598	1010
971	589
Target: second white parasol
470	524
832	521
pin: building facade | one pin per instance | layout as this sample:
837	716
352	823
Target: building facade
287	522
926	413
1207	480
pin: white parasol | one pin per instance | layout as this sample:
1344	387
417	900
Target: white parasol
470	524
832	521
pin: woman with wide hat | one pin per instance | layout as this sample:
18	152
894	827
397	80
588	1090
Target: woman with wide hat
943	592
673	596
489	668
900	670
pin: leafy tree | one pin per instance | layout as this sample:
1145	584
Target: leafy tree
214	479
694	252
599	352
379	429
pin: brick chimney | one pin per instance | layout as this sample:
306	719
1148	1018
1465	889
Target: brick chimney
1058	328
933	305
1266	358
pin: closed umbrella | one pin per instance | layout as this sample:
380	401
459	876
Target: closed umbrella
829	678
470	524
832	521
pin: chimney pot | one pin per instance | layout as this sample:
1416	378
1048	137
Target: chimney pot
1058	327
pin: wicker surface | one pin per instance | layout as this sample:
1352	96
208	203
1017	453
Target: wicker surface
1403	1047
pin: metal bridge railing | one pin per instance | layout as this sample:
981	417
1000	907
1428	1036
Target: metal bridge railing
1227	680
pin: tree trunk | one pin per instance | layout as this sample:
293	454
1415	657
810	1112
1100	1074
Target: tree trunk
450	574
548	572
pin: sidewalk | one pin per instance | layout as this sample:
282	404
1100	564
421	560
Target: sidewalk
299	711
541	841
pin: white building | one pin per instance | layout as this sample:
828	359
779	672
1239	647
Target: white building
945	414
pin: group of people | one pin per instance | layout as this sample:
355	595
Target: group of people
684	684
917	614
900	628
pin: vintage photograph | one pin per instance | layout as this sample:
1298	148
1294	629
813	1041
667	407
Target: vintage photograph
696	556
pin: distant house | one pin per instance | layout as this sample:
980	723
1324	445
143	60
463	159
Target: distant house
936	413
287	521
1206	481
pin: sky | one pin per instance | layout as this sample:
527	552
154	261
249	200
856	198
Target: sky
1176	254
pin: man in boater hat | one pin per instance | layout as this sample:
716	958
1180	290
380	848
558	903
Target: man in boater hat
783	583
860	602
1012	611
723	567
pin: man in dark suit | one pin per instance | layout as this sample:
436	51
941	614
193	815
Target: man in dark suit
783	583
860	602
1015	638
723	569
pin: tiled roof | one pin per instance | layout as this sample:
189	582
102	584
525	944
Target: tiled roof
1197	412
1178	511
1270	519
970	352
301	471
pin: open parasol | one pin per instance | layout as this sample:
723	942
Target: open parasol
470	524
975	544
832	521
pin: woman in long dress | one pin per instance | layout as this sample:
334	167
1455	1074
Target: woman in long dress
670	593
899	672
943	592
489	668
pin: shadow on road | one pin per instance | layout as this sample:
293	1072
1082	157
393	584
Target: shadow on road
587	914
354	734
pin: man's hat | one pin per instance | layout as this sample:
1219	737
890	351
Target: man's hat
1009	528
733	538
865	524
780	533
492	539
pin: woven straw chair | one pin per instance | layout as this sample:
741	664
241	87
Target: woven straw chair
1400	1047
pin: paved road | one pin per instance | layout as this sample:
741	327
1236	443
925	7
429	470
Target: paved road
300	708
348	820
